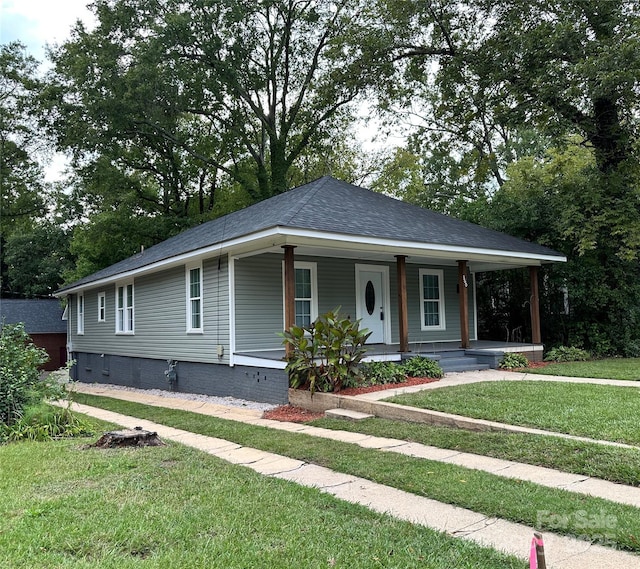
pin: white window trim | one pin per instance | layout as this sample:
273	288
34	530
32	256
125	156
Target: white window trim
126	331
441	302
80	314
314	287
102	307
188	269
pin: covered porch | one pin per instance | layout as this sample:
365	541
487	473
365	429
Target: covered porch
486	354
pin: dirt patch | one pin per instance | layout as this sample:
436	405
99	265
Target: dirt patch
291	414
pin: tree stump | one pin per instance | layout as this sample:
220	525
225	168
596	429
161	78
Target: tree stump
137	437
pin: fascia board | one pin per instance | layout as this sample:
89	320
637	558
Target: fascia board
283	235
188	257
452	250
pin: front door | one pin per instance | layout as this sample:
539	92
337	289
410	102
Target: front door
371	305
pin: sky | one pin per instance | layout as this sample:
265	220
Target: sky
37	23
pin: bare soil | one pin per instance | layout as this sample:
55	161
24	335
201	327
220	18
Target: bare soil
291	414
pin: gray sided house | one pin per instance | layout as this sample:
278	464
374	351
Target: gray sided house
209	303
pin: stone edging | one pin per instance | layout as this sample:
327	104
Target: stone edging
321	402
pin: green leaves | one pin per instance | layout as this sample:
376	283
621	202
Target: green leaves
325	356
512	360
19	361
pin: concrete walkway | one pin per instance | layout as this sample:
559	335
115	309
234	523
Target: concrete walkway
562	552
455	379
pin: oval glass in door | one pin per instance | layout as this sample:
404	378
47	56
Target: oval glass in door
370	298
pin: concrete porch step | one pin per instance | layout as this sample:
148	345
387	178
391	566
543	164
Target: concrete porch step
347	414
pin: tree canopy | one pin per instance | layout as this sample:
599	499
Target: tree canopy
183	93
522	115
477	77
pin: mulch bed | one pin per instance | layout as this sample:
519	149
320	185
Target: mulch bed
410	381
292	414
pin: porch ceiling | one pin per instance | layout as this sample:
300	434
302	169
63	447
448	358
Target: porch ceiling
316	244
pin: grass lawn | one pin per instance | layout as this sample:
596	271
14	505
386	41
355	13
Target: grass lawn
479	491
589	459
163	507
609	368
588	410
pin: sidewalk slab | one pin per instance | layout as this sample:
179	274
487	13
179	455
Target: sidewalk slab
243	455
562	552
620	493
276	465
316	476
347	414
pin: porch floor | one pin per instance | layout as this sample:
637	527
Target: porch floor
415	348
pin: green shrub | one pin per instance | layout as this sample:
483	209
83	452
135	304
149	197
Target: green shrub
422	367
512	360
42	422
19	362
567	354
325	356
381	373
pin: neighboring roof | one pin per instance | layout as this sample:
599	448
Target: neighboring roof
40	316
329	206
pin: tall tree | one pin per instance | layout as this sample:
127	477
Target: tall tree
482	70
37	260
21	176
594	299
216	84
485	72
22	190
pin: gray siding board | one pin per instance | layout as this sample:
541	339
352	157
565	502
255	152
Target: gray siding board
259	299
160	309
336	285
258	302
160	318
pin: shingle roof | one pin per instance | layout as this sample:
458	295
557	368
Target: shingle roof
40	316
333	206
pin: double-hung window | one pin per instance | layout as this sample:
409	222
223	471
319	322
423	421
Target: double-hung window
102	307
194	298
125	311
80	315
305	291
306	299
432	315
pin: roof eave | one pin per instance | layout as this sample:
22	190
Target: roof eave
281	235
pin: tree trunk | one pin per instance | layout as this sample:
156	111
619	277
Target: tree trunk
137	437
